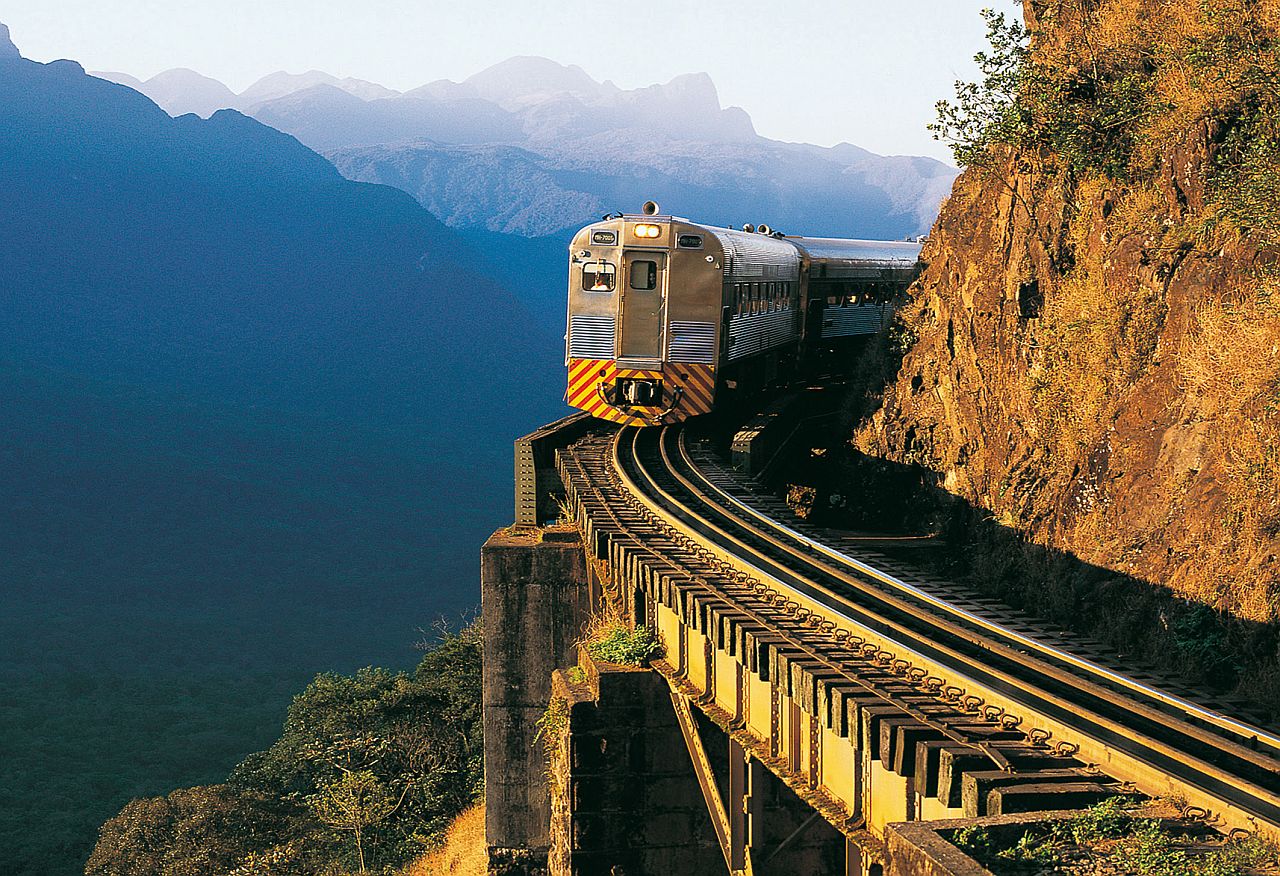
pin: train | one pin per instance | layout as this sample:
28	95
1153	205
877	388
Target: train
667	317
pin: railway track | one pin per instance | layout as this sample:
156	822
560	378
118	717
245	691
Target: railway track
965	674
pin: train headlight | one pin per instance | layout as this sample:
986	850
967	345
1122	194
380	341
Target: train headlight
648	231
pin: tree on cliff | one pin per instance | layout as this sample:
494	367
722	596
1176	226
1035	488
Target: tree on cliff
191	832
386	759
987	113
354	803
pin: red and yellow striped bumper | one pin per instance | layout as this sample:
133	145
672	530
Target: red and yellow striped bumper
692	387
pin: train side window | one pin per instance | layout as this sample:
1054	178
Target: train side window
598	277
644	275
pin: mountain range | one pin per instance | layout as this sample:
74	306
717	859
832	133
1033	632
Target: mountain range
536	148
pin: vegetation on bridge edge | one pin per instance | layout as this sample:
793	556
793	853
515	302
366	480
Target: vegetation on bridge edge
1110	837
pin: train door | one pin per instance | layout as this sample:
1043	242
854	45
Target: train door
644	289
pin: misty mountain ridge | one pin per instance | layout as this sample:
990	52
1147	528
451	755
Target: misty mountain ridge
180	91
534	148
231	238
277	85
523	87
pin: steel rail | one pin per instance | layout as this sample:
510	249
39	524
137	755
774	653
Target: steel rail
1209	773
1240	753
1247	732
813	654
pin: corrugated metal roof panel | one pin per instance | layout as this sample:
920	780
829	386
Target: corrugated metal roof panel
757	257
875	253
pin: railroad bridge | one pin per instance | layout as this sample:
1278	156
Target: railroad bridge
814	710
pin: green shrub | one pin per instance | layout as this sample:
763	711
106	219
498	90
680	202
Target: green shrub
1089	115
1105	820
1031	849
552	722
1246	174
973	840
988	113
618	644
1149	851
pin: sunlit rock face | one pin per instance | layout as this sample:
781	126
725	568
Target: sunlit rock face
1093	361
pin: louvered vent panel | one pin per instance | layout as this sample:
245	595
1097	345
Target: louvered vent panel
591	337
839	322
693	342
753	334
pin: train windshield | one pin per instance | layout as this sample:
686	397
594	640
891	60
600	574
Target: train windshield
598	277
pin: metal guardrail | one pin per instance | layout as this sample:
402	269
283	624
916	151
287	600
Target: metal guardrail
538	486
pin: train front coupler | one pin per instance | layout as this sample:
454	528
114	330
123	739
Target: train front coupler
637	396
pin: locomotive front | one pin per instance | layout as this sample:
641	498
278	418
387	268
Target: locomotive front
644	315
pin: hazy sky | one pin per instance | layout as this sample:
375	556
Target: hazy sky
820	71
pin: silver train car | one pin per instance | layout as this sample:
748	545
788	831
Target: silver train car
666	315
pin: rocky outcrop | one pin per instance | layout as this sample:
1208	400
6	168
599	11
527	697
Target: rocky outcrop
1092	364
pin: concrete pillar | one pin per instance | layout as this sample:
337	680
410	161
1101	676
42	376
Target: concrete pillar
793	838
534	600
625	798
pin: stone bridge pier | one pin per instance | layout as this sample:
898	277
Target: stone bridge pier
611	770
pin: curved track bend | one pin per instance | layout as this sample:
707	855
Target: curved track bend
1136	731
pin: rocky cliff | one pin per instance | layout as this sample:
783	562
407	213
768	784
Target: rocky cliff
1093	354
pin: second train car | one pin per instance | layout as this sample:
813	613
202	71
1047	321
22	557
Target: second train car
666	315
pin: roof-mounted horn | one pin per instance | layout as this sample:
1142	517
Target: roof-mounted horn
650	208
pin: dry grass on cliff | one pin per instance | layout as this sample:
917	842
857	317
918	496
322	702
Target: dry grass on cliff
462	853
1182	73
1231	368
1099	333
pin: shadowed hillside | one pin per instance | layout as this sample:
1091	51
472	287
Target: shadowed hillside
257	420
